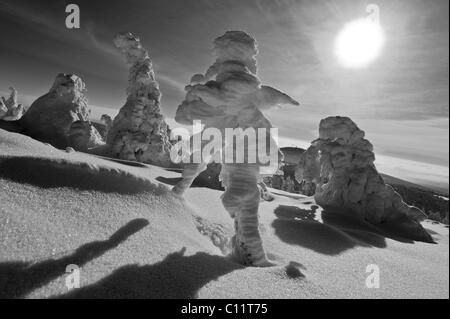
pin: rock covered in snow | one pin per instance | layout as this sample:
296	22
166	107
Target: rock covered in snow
341	165
3	109
139	132
107	121
266	195
50	117
230	95
307	172
10	109
284	178
84	136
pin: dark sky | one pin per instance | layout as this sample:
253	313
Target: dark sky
400	100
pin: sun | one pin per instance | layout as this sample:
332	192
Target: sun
359	43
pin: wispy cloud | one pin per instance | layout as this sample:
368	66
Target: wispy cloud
46	24
171	81
90	37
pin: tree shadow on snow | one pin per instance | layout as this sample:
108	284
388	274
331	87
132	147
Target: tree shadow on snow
339	232
55	173
176	276
124	162
17	279
172	181
299	227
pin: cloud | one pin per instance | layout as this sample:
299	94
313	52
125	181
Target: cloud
417	172
107	48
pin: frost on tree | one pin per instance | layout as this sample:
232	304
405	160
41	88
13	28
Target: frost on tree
340	163
230	95
50	117
307	172
83	136
139	132
10	110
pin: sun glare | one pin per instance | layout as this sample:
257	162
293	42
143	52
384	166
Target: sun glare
359	43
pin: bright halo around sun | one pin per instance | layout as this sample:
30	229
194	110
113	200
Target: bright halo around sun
359	43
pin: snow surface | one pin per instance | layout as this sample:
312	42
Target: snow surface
441	197
131	237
